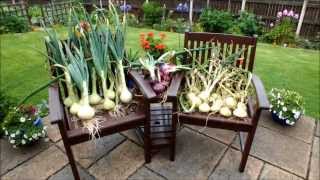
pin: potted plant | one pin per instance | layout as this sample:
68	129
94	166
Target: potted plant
23	125
286	106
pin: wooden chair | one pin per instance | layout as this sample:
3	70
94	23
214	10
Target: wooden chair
72	133
256	104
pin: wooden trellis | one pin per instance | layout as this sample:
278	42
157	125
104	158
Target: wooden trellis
18	10
56	12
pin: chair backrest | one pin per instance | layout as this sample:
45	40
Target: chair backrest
225	42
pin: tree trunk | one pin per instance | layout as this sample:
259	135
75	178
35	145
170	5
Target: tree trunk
190	13
243	5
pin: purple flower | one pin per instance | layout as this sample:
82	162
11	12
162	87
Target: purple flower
279	15
296	16
179	7
38	121
285	12
125	7
271	24
291	13
185	7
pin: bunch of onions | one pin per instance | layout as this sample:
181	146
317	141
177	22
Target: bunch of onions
59	60
116	42
80	75
214	87
101	60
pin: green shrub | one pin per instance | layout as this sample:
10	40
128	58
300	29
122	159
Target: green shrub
249	24
281	33
308	44
35	13
13	24
6	103
152	12
213	20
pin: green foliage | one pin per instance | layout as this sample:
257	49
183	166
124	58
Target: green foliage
213	20
152	12
281	33
6	103
34	11
248	24
13	24
309	44
286	104
132	20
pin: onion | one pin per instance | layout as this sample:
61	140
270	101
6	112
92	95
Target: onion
204	107
230	102
125	95
94	98
110	94
159	87
241	110
86	112
108	104
217	104
225	111
74	108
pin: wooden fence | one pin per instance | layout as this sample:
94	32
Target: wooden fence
266	9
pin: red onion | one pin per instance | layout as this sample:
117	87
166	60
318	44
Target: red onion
159	87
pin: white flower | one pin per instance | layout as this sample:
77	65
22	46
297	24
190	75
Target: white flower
29	119
6	132
297	114
294	110
282	103
23	141
271	106
287	121
278	96
274	112
45	127
22	119
292	123
13	135
17	132
284	109
39	134
25	136
34	136
278	102
12	141
30	139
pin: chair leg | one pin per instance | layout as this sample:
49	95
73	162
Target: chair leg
69	152
246	150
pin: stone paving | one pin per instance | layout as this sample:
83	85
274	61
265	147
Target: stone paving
290	153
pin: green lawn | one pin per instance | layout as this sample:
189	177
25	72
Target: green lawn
24	69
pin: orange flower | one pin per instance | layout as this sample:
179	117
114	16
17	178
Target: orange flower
160	46
150	34
162	35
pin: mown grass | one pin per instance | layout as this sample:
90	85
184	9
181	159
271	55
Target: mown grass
23	68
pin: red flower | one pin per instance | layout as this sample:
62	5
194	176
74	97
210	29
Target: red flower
160	46
150	34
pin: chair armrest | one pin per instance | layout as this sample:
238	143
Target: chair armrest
56	113
142	84
175	85
263	102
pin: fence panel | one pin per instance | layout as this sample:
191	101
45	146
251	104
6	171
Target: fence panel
18	9
56	12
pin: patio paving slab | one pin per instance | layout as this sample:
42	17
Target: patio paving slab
11	157
196	156
52	130
145	174
119	163
280	150
314	173
270	172
131	134
90	151
221	135
40	167
66	174
303	129
228	168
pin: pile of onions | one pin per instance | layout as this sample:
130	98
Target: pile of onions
216	88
